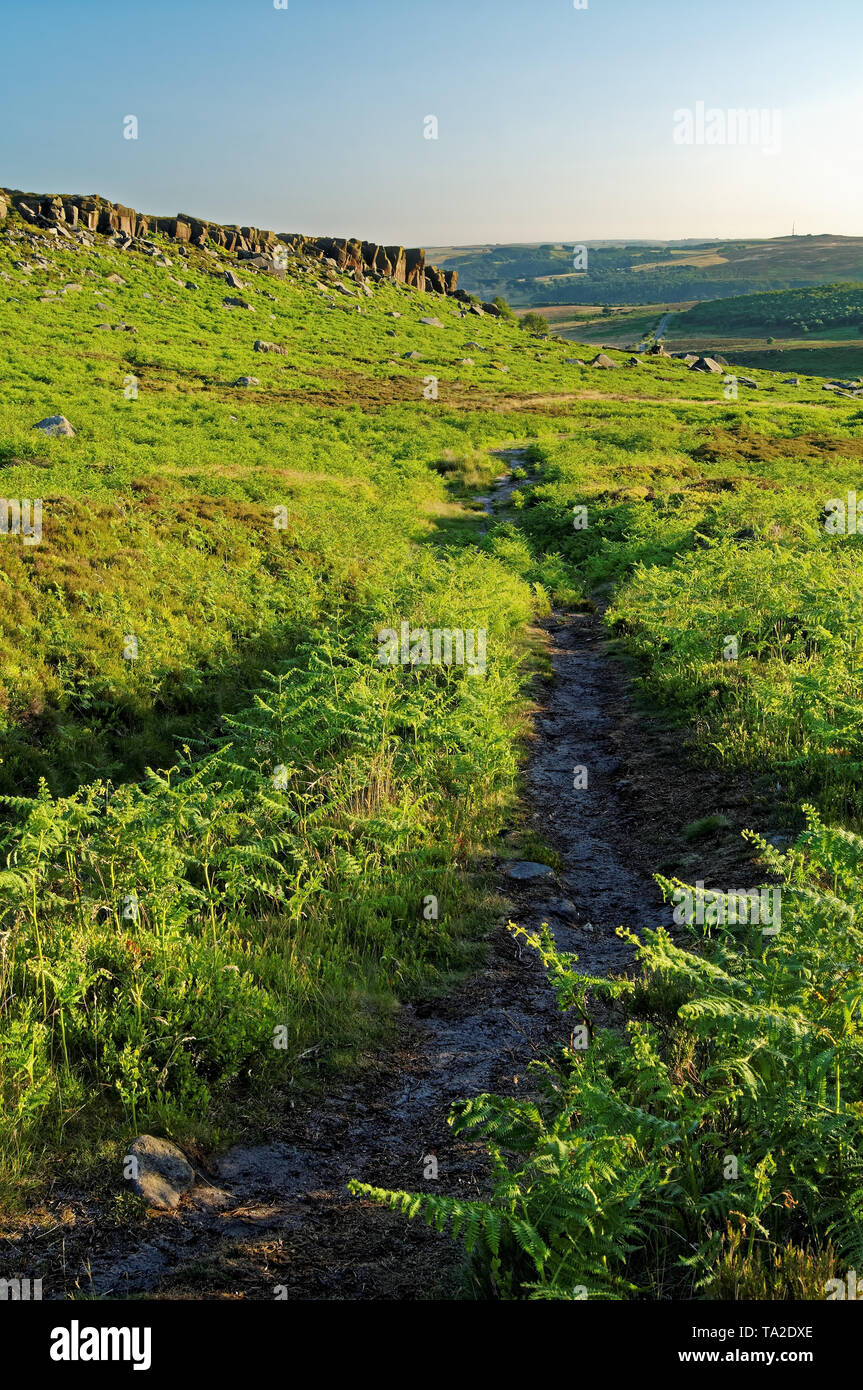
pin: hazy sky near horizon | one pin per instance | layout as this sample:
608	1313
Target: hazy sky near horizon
554	123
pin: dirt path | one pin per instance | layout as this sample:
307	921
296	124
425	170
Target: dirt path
277	1216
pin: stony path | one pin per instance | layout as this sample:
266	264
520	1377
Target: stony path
275	1219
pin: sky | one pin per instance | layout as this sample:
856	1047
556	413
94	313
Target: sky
553	123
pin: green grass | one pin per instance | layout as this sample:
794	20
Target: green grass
220	856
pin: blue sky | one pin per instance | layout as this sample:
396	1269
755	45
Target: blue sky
553	123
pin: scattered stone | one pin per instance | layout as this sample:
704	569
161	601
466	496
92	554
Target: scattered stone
261	346
467	362
163	1173
116	279
234	280
603	360
231	303
247	381
747	381
526	869
791	381
432	322
55	425
414	356
561	907
706	364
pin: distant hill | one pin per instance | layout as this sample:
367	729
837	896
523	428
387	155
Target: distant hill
652	272
780	311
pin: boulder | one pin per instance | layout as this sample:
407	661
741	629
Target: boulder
261	346
706	364
232	303
601	360
161	1173
432	322
234	280
247	381
55	425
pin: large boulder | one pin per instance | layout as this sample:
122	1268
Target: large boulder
159	1171
706	364
602	360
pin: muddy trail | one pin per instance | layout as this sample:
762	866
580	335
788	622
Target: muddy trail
275	1220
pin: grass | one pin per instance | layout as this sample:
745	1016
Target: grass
219	853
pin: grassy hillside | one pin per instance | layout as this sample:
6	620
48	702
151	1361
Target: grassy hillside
789	313
182	944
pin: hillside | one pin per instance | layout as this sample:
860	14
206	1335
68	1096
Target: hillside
342	622
649	273
791	313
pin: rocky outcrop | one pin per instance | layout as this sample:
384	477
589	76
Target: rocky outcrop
95	214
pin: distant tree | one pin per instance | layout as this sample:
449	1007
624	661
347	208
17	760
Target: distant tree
534	323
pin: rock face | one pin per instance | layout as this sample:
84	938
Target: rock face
55	425
161	1173
95	214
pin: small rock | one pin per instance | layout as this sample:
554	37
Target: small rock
527	869
55	425
234	280
163	1173
247	381
261	346
116	279
414	356
230	303
561	907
